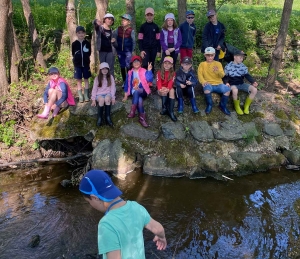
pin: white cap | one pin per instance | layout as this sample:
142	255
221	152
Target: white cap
108	15
104	65
209	50
170	16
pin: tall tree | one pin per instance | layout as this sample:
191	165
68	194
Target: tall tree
36	46
211	4
280	43
130	9
13	49
101	8
71	19
181	5
4	9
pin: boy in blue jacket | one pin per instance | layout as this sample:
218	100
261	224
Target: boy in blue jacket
81	52
188	32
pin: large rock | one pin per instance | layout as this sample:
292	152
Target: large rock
172	130
293	156
201	131
137	131
273	129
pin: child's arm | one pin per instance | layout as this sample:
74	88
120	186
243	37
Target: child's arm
158	41
218	69
73	48
179	42
158	80
45	96
250	79
201	74
114	38
126	86
171	82
64	96
113	90
191	79
162	43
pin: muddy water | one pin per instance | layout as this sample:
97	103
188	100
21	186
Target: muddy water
251	217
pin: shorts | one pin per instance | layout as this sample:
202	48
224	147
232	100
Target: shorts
220	89
102	95
82	72
243	87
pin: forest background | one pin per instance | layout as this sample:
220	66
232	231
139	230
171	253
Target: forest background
246	21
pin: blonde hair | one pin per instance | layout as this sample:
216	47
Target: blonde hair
162	72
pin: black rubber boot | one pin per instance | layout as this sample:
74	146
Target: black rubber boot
171	109
107	115
100	116
164	100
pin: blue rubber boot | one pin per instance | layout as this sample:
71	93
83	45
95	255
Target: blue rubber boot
194	105
209	103
180	105
223	104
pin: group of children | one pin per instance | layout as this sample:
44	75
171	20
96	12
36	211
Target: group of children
138	71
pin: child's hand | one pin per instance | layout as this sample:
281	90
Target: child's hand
113	40
158	54
171	49
149	66
215	69
255	84
98	22
93	103
125	98
167	52
188	82
182	86
113	102
143	54
205	84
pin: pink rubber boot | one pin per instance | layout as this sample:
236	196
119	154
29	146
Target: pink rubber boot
55	111
45	113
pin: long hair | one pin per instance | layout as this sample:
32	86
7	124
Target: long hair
162	72
100	78
165	25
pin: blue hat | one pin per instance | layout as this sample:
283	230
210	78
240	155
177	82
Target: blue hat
53	70
126	16
189	12
80	28
98	183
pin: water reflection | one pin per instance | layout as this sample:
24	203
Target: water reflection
250	217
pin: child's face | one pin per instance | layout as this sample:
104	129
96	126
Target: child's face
136	64
125	22
238	59
96	203
213	18
209	57
80	35
53	76
104	71
109	21
149	17
170	22
190	18
186	66
167	65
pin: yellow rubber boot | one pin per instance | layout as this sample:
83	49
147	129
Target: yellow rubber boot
237	107
247	105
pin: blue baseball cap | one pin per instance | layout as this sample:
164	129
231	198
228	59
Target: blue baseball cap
98	183
53	70
126	16
189	12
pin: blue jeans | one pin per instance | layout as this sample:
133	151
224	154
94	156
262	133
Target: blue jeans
220	89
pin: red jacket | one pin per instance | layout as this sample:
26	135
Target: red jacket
164	83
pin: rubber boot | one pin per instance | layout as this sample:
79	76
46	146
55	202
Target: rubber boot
55	111
194	105
142	120
237	107
247	105
100	116
132	111
171	109
209	103
123	73
107	116
180	105
45	113
164	100
223	104
80	96
86	95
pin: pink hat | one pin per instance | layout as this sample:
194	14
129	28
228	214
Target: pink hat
149	10
104	65
168	59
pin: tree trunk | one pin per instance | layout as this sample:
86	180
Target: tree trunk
181	5
4	10
130	9
36	46
280	43
13	49
101	11
211	5
71	19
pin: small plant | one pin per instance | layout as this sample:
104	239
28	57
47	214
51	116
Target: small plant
35	145
7	133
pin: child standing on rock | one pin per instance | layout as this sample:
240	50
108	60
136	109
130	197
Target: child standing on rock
57	92
137	85
235	72
185	83
81	52
104	90
165	85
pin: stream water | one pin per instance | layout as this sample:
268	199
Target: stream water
256	216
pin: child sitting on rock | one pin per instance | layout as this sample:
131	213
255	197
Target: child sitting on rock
210	74
56	94
185	83
235	72
165	85
104	90
137	85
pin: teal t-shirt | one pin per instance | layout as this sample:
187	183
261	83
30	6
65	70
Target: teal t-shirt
122	229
